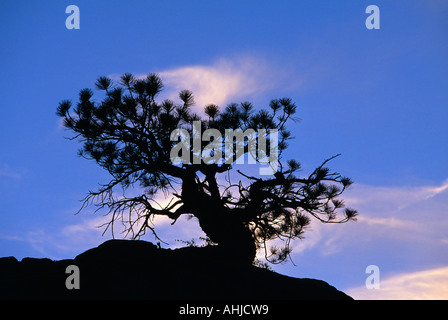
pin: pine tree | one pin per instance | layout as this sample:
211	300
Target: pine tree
129	133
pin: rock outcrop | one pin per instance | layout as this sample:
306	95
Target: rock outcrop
125	269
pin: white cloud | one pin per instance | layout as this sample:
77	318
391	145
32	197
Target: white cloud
223	81
429	284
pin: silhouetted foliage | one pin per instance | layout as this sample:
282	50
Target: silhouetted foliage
128	134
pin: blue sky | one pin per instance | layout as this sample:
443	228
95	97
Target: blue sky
379	97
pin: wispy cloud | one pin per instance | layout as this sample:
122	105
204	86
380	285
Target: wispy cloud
401	229
429	284
376	198
9	172
85	232
406	213
412	218
221	82
228	79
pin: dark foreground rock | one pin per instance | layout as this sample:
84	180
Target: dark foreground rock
124	269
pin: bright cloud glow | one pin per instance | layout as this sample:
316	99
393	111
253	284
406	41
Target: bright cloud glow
221	82
429	284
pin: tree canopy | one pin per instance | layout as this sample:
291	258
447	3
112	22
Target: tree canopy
130	134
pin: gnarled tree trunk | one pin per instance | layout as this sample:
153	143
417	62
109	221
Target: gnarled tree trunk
231	234
220	225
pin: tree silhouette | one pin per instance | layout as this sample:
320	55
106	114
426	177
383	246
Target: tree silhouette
129	134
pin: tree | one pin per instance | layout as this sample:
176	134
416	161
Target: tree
129	134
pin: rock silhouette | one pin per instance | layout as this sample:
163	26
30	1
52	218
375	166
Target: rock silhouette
130	269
